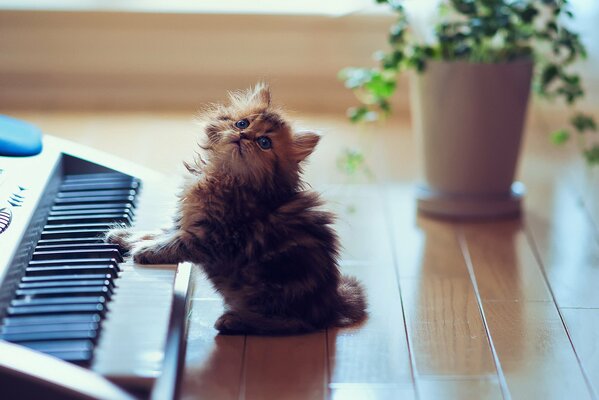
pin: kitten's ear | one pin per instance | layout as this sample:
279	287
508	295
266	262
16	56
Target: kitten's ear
304	143
261	94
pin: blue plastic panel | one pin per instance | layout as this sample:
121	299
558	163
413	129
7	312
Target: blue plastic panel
19	138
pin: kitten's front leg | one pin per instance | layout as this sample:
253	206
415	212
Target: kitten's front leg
120	237
126	238
166	248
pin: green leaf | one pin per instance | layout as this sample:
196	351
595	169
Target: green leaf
467	7
396	5
428	51
528	14
462	50
392	60
560	137
418	63
385	106
592	155
352	161
550	72
551	3
380	85
583	123
551	26
396	33
357	114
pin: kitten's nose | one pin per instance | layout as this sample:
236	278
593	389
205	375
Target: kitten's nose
242	135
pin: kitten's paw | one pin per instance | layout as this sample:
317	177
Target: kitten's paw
126	238
153	252
119	236
145	253
230	324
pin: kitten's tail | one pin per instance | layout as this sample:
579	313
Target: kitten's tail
353	301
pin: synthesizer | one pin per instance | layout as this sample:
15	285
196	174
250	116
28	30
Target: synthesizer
79	319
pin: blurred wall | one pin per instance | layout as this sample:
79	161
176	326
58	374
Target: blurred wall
106	60
167	61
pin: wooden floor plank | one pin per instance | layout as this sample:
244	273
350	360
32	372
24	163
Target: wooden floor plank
504	264
214	363
443	317
444	324
534	351
372	392
281	368
564	237
375	352
527	332
583	326
360	223
450	389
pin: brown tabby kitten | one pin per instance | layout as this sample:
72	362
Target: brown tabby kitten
246	219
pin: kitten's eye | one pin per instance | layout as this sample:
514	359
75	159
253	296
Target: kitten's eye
264	142
242	124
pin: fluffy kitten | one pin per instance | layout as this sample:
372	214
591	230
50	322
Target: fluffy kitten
245	218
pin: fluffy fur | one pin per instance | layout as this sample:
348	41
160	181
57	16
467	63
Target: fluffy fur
262	239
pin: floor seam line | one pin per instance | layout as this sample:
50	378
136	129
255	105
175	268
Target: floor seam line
391	238
505	392
541	265
242	373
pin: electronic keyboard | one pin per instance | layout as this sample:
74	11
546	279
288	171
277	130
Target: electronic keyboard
79	319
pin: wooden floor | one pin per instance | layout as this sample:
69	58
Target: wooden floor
504	309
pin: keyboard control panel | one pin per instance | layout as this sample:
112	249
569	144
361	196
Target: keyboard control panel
5	218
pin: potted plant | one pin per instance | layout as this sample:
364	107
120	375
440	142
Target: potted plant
476	64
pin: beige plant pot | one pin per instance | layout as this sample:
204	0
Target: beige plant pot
469	118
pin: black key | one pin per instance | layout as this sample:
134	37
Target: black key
73	283
95	200
70	291
93	211
64	335
47	301
72	269
50	328
102	193
74	178
89	219
73	233
91	206
96	175
82	358
85	246
56	309
65	255
61	227
75	241
64	318
52	278
73	262
100	185
125	178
